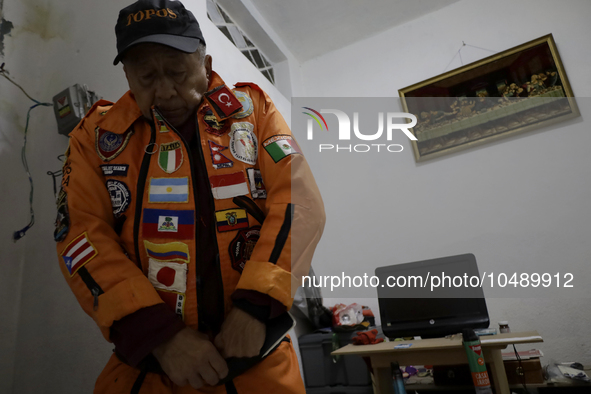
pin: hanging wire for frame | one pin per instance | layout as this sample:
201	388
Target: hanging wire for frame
459	53
21	233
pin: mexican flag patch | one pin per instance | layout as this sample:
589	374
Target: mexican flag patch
281	146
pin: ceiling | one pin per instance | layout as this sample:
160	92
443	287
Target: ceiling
310	28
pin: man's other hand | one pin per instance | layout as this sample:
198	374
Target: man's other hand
189	358
241	336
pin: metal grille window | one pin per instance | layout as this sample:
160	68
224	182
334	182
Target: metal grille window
223	22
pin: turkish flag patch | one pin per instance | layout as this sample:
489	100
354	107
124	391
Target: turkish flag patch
223	102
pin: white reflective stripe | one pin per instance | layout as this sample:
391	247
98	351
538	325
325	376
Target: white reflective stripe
76	247
87	251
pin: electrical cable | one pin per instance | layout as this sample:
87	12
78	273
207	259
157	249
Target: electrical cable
21	233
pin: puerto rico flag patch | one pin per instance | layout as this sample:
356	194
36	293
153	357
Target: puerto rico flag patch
78	252
171	251
170	156
281	146
228	186
166	223
231	219
169	190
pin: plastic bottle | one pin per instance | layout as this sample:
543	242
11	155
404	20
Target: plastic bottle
397	379
476	362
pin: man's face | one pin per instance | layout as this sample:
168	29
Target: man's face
169	79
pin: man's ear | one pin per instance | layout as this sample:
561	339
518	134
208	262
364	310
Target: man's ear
208	62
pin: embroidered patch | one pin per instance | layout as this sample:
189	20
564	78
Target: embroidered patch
109	145
243	142
160	124
246	102
175	301
257	187
223	102
164	223
228	185
170	157
169	276
62	222
242	245
213	126
78	252
120	196
231	219
217	158
172	251
66	171
114	169
281	146
175	190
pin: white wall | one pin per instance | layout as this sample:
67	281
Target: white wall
48	345
521	204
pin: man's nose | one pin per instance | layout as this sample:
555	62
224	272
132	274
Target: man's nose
165	88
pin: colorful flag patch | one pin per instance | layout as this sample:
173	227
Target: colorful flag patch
217	158
223	101
228	185
281	146
109	145
115	169
160	124
170	157
257	187
231	219
172	251
243	142
168	276
78	252
246	102
175	301
164	223
173	190
242	245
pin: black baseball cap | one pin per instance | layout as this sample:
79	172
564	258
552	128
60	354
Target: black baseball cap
164	22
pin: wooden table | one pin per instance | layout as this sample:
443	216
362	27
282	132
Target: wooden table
438	351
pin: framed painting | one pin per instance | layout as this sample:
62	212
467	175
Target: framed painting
511	92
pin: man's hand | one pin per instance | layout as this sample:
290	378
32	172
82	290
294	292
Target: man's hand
190	358
242	335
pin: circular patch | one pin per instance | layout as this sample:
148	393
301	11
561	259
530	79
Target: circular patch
243	142
108	142
242	245
166	276
246	102
120	196
213	126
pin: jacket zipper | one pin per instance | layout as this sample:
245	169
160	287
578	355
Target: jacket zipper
141	185
198	278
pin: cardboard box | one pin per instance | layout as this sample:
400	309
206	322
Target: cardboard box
531	369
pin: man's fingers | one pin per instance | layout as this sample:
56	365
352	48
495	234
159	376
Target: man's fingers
219	365
196	382
209	375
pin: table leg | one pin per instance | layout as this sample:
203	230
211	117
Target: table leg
498	371
381	377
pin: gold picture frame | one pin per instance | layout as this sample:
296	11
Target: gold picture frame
517	90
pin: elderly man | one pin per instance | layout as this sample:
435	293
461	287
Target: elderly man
186	214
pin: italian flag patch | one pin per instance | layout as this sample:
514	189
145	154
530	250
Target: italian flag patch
170	156
281	146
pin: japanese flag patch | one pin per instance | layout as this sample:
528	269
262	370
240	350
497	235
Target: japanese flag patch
169	276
